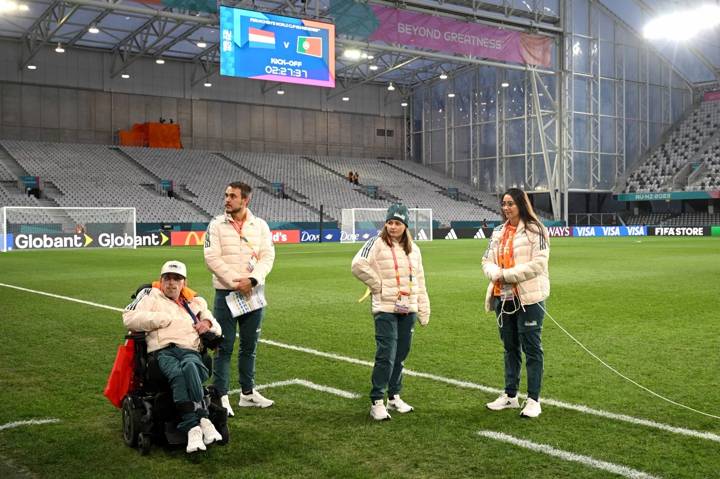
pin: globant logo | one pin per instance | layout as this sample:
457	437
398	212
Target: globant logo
313	236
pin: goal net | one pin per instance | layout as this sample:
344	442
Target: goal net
359	224
25	227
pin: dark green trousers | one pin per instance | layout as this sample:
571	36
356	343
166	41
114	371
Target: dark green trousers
393	337
249	325
521	331
186	374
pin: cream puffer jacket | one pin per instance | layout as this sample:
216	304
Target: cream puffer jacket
165	321
531	251
374	266
228	257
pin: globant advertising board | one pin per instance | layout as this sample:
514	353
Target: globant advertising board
23	241
264	46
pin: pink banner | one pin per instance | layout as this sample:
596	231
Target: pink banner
711	96
443	34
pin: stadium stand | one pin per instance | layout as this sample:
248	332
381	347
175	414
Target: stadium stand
648	219
95	175
201	176
412	189
707	172
693	219
682	148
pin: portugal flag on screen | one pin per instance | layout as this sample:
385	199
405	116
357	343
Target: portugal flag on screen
310	46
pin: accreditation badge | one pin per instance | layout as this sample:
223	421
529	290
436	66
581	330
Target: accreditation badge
251	263
402	304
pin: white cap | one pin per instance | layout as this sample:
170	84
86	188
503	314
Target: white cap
174	267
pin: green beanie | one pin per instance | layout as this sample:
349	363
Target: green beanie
398	212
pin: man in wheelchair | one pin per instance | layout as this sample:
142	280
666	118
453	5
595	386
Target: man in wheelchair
174	320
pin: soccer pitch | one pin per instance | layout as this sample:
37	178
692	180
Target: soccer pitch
648	306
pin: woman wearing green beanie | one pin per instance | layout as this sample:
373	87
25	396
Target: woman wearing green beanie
390	265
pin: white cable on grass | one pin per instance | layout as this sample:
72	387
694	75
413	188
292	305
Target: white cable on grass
632	381
660	396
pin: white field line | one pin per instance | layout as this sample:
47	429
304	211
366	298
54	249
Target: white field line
307	384
455	382
569	456
29	422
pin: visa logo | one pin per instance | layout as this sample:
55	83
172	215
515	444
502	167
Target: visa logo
636	230
611	231
584	231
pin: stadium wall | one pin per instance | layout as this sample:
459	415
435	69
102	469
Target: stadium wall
72	98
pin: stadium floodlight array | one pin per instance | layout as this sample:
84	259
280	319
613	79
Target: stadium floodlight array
359	224
31	227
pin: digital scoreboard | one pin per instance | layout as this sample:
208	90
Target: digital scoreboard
266	46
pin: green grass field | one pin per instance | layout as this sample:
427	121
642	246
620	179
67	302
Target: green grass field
649	307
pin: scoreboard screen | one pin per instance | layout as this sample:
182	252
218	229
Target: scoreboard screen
272	47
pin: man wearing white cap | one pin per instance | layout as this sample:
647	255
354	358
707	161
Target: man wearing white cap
174	317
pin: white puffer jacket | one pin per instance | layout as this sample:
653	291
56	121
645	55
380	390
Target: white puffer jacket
374	266
165	321
228	257
531	251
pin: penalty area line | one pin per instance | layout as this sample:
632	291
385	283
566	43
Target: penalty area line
29	422
307	384
455	382
568	456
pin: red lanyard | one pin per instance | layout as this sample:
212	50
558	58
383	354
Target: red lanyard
397	269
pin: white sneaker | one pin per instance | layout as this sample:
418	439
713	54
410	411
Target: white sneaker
195	440
532	408
397	404
210	434
378	411
503	402
254	400
225	402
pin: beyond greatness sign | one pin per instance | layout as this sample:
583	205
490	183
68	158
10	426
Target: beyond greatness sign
448	35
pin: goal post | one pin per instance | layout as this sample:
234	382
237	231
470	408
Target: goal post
31	227
359	224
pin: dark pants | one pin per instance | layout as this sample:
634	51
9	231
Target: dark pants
393	337
186	374
522	331
250	325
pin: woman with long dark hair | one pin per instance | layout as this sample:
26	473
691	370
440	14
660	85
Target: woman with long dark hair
391	267
516	263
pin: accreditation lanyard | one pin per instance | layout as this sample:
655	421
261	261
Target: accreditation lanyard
397	271
238	228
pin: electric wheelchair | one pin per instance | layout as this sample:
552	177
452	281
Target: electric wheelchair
149	414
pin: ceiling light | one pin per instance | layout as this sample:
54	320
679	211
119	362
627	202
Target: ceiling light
281	92
93	29
32	67
391	87
373	67
371	57
201	43
504	84
125	76
403	104
207	84
443	76
352	54
346	98
23	8
160	61
451	95
60	48
683	25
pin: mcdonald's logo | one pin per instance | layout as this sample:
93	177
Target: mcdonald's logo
187	238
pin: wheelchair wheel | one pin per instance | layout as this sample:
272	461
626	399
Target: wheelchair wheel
130	422
144	444
225	433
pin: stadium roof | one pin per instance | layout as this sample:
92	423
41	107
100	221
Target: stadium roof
131	30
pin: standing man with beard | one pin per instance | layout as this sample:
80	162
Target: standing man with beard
239	253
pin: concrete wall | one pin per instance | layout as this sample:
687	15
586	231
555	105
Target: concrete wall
71	98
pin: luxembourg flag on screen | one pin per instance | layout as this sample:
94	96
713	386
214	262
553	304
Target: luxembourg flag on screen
260	38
